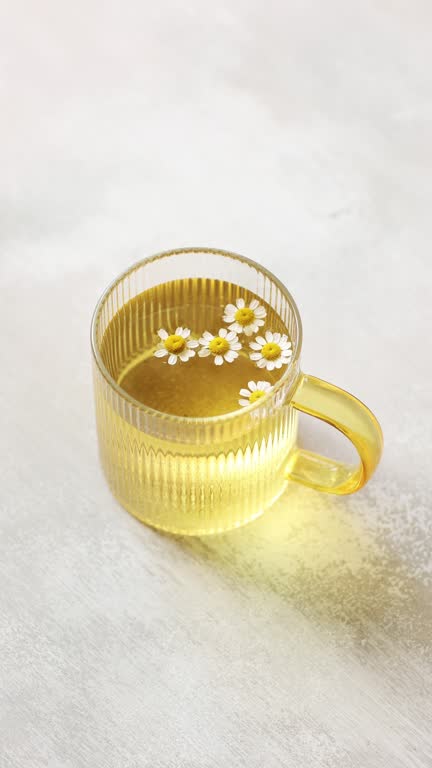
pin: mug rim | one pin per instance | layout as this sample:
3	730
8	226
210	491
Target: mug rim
192	420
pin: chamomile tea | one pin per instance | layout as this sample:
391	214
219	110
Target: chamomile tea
197	348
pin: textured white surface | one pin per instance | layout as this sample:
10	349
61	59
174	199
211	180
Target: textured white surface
299	134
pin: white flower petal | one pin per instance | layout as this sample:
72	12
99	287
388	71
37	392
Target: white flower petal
244	402
284	338
262	363
185	333
254	304
203	342
240	303
260	340
179	330
259	323
252	385
204	352
264	385
230	356
192	343
161	353
230	309
244	392
207	336
223	332
260	312
184	356
228	318
278	363
235	345
270	365
236	327
172	359
249	330
218	360
254	345
268	337
231	336
276	338
256	356
162	333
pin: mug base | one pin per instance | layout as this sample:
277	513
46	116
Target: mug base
176	530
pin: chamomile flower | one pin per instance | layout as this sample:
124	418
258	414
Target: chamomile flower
176	345
225	346
244	319
257	389
271	352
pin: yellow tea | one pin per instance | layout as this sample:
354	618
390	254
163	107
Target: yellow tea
202	477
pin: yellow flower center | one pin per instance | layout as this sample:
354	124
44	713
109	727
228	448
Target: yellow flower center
218	345
256	395
244	316
271	351
175	344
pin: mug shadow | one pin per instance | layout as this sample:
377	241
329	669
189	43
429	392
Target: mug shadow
319	555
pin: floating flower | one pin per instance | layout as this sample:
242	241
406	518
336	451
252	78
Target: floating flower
244	319
176	345
257	389
225	346
272	352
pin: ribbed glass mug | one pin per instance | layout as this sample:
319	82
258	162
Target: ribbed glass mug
207	475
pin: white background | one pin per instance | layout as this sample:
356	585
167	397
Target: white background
298	134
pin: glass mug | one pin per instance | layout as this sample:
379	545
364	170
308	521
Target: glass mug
206	475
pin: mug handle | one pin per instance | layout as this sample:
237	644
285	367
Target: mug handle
352	418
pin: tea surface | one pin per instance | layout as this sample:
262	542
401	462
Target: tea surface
197	387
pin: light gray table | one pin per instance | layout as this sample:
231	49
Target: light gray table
297	133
